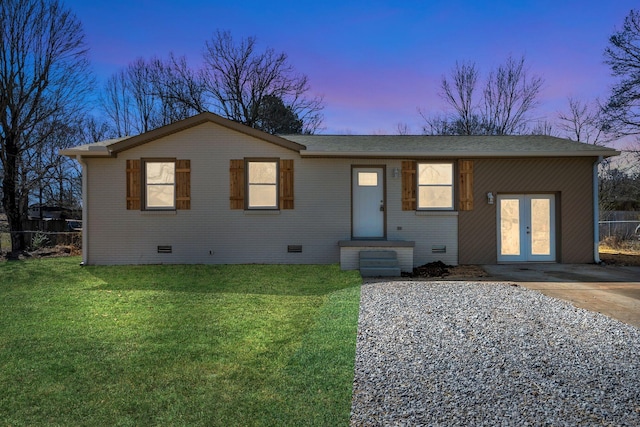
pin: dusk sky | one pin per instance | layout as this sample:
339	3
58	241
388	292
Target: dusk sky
375	62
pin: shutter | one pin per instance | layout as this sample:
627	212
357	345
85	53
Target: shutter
133	184
286	184
236	182
183	184
465	173
409	199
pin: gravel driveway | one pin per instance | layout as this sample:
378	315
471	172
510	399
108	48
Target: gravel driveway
462	353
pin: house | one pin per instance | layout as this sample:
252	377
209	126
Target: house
212	191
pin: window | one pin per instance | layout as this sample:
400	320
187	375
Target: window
367	179
435	186
262	182
159	184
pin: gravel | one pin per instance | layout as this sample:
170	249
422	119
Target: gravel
461	353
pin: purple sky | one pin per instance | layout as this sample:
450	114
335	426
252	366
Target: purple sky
375	62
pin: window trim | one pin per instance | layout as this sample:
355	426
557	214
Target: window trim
247	199
451	207
143	171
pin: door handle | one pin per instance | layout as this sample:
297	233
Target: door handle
381	206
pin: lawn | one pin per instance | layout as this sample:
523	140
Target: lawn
176	345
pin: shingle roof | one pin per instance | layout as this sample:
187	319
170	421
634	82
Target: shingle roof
444	146
372	146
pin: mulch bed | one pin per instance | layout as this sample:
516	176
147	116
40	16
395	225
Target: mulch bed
432	269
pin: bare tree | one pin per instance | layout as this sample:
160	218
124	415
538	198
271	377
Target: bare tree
54	178
510	93
179	89
403	128
440	124
543	127
459	95
622	109
149	94
117	104
239	77
583	122
44	76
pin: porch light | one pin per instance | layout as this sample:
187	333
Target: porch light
396	172
490	198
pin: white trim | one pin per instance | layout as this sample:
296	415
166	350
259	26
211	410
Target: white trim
424	212
596	213
85	211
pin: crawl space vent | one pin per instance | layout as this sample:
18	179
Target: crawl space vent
438	249
294	249
165	249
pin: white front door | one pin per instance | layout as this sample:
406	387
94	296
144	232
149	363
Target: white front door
526	227
367	202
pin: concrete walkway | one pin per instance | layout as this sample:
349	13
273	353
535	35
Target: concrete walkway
611	290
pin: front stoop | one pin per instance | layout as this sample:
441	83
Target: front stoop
379	264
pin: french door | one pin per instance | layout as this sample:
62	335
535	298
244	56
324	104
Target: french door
526	227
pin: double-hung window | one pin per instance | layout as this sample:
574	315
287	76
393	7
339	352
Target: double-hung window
435	186
160	184
262	184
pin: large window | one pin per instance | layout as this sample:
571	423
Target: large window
262	181
160	184
435	186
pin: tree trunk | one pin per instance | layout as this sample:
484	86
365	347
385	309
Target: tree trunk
9	199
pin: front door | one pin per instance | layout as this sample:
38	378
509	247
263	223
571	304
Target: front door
526	227
367	203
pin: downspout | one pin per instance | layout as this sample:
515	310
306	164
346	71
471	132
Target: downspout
85	211
596	212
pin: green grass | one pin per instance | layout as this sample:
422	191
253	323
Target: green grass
176	345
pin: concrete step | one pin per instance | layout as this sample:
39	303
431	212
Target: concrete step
379	264
379	254
380	272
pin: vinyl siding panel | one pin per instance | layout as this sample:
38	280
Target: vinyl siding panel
211	232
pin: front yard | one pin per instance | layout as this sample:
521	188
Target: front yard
176	345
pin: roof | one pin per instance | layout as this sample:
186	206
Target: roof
368	146
112	147
408	146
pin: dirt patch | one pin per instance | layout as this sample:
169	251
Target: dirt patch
56	251
439	270
623	259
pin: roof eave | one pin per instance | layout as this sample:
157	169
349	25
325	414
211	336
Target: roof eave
458	154
195	121
97	151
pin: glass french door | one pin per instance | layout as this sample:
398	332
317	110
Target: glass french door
526	227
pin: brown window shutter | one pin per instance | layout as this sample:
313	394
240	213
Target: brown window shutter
236	179
409	199
133	184
465	172
286	184
183	184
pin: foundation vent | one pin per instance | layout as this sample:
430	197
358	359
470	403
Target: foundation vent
439	249
294	249
165	249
